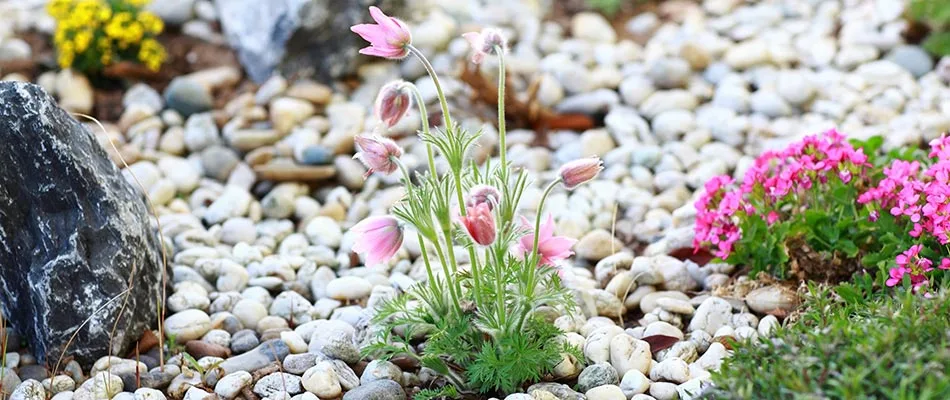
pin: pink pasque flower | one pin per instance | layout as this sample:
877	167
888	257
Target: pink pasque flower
483	194
393	102
577	172
480	224
378	154
379	238
550	248
483	43
388	37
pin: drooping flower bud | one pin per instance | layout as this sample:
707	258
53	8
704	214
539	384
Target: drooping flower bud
388	37
483	194
579	171
378	237
485	42
378	153
393	102
480	224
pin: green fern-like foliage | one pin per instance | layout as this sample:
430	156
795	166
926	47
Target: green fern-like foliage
505	364
442	393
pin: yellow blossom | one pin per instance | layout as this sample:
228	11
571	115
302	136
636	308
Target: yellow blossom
82	40
151	22
103	31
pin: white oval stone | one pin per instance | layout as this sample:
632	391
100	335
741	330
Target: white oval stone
322	380
187	325
349	288
629	353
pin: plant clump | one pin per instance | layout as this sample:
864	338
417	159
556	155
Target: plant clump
478	318
851	342
794	213
824	208
93	34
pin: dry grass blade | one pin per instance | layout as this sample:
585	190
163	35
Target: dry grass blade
151	209
62	355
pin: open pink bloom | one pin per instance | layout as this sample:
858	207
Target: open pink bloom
484	43
378	237
576	172
550	248
393	102
480	224
771	217
483	194
378	154
388	37
896	275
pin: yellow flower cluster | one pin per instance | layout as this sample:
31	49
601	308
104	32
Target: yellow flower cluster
91	34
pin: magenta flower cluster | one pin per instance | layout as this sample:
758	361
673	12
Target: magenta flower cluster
775	178
919	197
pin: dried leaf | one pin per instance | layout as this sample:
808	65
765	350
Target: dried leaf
660	342
526	113
145	343
726	341
701	257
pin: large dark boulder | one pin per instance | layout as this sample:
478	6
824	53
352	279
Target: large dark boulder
73	235
301	38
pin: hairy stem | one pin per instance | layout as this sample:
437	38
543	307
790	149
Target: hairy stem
537	219
422	244
438	86
499	288
449	278
429	274
424	115
502	147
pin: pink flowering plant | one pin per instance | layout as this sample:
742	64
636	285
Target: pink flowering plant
479	318
795	213
915	192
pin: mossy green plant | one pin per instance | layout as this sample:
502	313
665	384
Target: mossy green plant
853	341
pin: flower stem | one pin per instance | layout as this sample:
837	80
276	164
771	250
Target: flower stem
499	288
449	278
473	260
438	86
424	115
502	147
425	259
422	246
537	220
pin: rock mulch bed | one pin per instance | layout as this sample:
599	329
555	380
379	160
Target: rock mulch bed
255	199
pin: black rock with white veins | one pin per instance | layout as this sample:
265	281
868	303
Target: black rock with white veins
73	235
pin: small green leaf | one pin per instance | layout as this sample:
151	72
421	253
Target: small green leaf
938	43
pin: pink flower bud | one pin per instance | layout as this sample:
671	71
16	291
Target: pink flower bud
483	194
378	237
388	37
378	154
480	224
579	171
485	42
393	102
